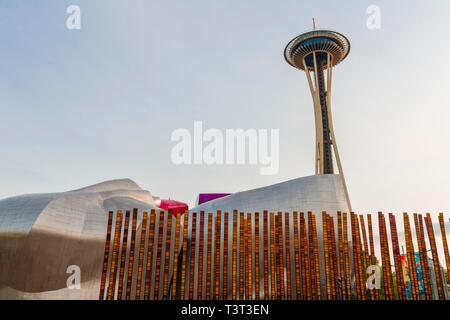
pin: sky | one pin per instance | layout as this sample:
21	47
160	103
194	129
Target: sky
83	106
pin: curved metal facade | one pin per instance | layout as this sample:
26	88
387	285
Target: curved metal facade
42	234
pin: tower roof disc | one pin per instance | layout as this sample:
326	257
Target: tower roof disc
320	41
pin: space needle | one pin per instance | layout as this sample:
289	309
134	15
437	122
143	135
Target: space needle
316	53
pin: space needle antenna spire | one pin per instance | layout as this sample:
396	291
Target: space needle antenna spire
316	53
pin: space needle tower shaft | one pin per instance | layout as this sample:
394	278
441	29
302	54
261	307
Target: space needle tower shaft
316	53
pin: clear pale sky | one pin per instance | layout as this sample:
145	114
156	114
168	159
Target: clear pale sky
81	107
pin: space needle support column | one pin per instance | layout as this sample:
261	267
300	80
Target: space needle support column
333	137
317	116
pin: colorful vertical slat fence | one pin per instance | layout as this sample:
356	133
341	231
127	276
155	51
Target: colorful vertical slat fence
268	255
